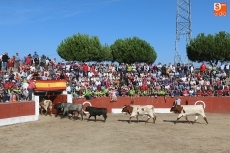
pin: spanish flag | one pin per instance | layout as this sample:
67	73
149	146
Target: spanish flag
50	85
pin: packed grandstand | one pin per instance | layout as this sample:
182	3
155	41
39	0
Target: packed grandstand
93	80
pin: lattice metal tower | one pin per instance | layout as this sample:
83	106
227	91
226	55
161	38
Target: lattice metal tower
183	26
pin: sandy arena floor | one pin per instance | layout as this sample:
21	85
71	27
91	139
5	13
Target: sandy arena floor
55	135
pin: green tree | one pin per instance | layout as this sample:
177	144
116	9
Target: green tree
81	47
131	50
106	51
209	48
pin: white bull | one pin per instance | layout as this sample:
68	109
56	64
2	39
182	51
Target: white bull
189	110
46	105
140	110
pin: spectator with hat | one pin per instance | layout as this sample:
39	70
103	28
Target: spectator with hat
35	55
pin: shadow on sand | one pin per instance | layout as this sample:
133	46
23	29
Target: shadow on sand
97	120
173	121
133	121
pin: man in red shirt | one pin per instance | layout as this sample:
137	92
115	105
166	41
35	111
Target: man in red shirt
85	70
31	88
202	68
7	84
13	84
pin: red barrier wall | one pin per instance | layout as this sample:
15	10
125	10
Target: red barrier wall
213	104
16	109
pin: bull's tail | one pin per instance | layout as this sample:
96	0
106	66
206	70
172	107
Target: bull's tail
83	110
199	101
106	111
154	116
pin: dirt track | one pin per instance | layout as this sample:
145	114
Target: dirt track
55	135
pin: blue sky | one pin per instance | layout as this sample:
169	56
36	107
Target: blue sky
40	25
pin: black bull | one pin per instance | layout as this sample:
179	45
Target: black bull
58	108
93	111
69	108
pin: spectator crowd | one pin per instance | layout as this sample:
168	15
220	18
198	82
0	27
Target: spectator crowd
92	80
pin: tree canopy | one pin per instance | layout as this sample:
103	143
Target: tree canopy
107	53
209	48
131	50
82	47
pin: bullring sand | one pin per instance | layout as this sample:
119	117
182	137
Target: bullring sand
55	135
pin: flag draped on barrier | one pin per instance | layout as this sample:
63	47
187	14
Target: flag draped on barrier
49	85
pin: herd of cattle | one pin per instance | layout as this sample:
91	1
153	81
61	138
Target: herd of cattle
74	110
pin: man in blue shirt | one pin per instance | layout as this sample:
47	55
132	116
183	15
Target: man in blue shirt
35	55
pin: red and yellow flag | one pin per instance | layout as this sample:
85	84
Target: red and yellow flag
48	85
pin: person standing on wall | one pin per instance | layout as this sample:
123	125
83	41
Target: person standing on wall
17	62
31	87
36	60
5	59
226	69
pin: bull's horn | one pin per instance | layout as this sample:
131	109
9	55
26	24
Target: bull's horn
124	106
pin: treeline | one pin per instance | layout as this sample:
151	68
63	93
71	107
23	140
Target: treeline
82	47
211	48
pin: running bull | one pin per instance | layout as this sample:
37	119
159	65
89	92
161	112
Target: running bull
93	111
189	110
69	108
140	110
58	108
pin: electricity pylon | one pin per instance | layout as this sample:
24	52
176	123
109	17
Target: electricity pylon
183	26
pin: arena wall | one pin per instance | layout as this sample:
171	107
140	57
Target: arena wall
19	112
219	105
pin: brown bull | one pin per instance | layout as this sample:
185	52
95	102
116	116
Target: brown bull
189	110
139	110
